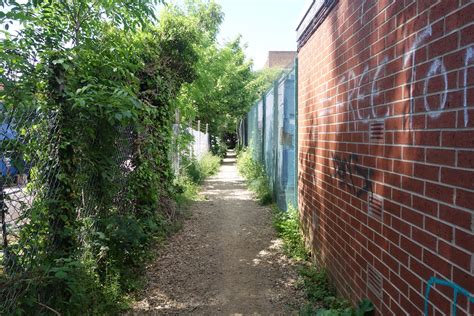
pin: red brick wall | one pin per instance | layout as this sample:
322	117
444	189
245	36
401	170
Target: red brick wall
386	150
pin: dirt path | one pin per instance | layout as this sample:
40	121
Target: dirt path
227	259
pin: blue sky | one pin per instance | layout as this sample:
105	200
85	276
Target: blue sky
264	25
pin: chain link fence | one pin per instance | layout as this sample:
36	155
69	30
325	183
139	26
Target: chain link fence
192	141
271	135
25	169
29	187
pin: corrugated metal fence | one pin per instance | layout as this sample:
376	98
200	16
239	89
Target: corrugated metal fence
271	135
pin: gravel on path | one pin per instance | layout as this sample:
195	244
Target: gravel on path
227	259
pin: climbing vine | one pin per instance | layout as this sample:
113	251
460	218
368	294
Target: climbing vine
100	78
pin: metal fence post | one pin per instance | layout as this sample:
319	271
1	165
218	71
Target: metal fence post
275	139
255	132
296	132
264	124
199	139
3	210
191	151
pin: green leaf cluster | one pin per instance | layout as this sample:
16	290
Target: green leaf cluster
287	224
255	176
193	174
101	78
225	87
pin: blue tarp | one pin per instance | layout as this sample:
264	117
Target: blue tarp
7	133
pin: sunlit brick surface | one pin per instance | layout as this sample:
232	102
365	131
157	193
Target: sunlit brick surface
386	110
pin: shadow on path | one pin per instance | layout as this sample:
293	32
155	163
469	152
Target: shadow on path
227	260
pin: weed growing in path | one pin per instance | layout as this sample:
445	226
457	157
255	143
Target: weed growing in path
287	225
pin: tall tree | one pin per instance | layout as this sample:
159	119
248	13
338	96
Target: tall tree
220	92
99	66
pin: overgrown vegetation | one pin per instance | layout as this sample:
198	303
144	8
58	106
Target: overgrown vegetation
321	295
225	86
203	168
218	147
287	225
102	79
193	174
105	80
254	174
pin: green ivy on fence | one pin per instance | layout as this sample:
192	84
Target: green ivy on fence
100	185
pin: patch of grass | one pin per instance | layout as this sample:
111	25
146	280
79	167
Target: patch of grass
192	176
288	227
209	165
198	170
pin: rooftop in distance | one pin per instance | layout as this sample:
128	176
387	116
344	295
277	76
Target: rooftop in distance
280	59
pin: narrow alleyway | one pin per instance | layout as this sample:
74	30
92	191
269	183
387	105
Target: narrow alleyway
226	260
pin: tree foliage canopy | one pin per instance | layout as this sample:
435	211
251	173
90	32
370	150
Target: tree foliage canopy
102	75
225	86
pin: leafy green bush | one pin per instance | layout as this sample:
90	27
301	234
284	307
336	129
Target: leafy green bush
247	166
193	171
107	86
218	147
255	176
198	170
209	165
193	174
73	286
186	190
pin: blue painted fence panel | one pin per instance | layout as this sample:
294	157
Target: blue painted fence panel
271	129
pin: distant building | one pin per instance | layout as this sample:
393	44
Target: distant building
280	59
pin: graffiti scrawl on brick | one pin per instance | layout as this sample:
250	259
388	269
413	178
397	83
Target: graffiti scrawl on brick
353	175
